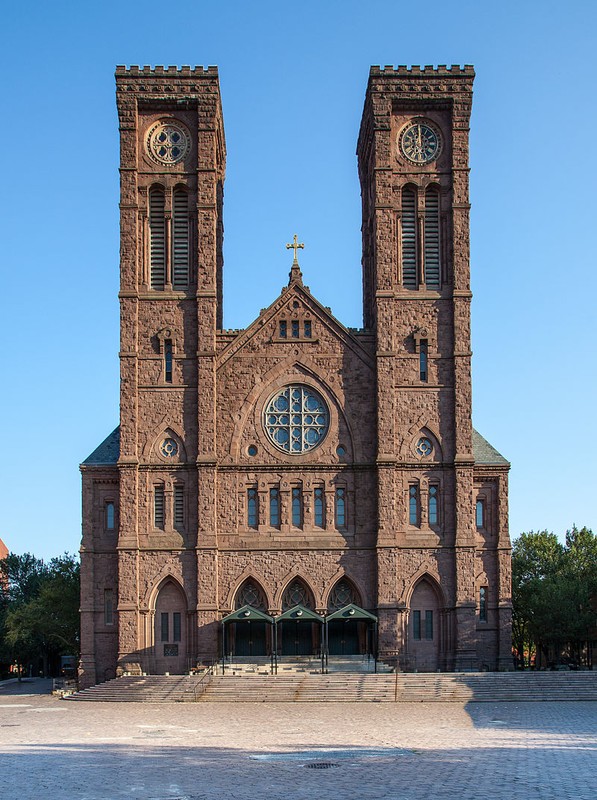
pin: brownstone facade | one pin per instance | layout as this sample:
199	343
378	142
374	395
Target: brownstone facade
296	462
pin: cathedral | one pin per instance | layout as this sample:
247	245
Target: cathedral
299	488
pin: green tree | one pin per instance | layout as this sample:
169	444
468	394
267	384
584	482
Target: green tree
40	608
554	588
536	558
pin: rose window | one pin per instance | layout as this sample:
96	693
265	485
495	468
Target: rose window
168	143
296	419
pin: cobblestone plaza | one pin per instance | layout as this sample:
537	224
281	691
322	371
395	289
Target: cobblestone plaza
108	751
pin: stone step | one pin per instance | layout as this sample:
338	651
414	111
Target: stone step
345	687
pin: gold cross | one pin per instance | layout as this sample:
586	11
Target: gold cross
295	246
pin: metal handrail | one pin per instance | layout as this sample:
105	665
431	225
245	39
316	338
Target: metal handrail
203	682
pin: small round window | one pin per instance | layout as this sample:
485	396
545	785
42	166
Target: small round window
168	142
424	446
296	419
169	448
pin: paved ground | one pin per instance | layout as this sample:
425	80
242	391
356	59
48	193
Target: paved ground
247	751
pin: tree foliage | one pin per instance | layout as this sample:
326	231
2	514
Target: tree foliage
554	592
39	610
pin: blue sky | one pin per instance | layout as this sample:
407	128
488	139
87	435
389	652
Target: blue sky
293	79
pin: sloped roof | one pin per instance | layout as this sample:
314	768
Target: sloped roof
484	453
108	451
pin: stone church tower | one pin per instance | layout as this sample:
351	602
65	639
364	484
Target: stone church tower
296	488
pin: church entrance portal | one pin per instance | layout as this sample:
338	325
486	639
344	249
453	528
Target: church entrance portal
170	647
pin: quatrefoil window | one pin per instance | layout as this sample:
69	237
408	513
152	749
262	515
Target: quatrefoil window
168	142
296	419
169	448
424	446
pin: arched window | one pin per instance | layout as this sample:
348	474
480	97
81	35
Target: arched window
340	508
343	594
413	504
297	594
319	508
250	593
252	508
180	240
297	507
433	505
409	238
432	260
274	508
157	238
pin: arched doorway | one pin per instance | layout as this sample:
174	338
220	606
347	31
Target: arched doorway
346	636
170	629
300	635
424	633
253	637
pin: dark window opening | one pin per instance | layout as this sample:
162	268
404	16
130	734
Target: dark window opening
110	516
423	354
483	604
168	360
416	625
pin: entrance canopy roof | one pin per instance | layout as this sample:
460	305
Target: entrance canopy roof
300	614
352	612
248	614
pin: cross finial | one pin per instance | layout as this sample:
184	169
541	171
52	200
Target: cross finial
295	246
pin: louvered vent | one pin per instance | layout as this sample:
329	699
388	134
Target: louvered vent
157	232
180	235
432	265
178	506
409	239
158	506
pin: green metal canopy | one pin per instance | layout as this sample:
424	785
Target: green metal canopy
352	612
300	614
248	614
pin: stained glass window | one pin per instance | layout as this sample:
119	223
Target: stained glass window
296	419
433	508
250	594
296	594
297	507
413	505
319	508
343	595
340	508
274	508
252	508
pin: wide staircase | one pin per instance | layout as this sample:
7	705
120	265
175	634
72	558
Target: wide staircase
347	688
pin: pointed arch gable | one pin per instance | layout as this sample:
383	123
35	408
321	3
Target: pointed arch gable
246	575
162	579
424	575
296	578
166	430
339	576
